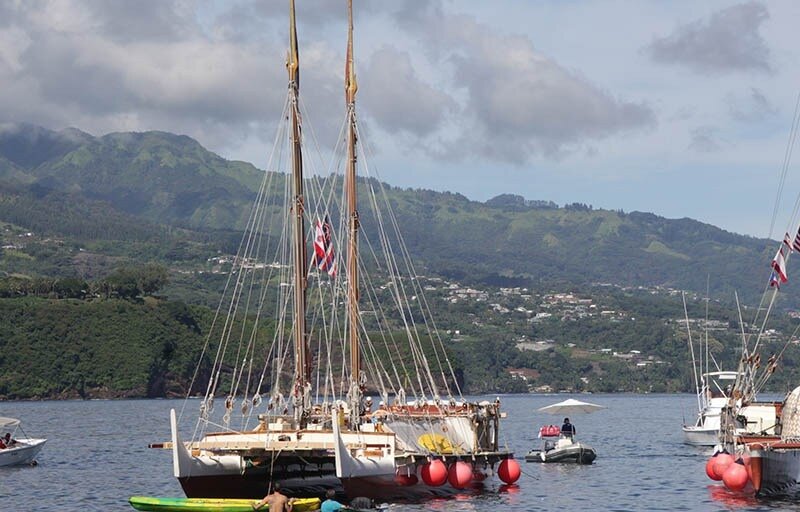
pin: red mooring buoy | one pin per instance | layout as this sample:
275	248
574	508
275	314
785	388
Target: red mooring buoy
735	477
460	474
434	473
710	467
509	471
723	461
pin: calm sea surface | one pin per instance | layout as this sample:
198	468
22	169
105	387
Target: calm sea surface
97	456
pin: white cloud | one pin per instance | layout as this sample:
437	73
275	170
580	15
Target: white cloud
728	41
76	63
557	97
398	99
520	103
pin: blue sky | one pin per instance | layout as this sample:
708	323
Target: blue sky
680	108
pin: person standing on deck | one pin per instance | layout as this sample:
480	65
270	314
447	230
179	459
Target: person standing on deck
567	429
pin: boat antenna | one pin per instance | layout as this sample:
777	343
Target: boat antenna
301	392
705	326
691	349
350	89
743	378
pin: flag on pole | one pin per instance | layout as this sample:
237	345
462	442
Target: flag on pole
788	241
774	281
779	266
324	257
796	243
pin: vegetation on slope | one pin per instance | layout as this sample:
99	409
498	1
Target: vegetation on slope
76	208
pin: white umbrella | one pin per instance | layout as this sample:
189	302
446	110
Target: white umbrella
9	422
571	406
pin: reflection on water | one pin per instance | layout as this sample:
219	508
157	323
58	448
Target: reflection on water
97	457
732	500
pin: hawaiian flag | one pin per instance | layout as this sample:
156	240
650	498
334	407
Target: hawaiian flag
324	257
779	268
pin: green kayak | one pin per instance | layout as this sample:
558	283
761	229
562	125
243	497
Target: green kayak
211	504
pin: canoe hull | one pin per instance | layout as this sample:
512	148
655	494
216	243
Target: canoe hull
776	471
254	484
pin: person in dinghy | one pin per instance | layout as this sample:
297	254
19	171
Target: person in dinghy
568	429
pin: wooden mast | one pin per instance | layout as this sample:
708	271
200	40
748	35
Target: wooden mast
350	88
300	391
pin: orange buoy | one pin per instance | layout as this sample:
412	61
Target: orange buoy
460	474
724	460
735	477
710	467
508	471
434	473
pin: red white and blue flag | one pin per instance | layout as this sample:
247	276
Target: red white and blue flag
324	257
779	269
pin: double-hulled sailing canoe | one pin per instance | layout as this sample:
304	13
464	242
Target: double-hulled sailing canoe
324	367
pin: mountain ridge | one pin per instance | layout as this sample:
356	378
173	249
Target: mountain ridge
73	205
171	180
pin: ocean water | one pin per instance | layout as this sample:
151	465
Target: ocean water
97	456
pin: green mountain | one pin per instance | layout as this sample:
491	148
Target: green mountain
27	146
157	176
157	179
502	245
77	206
